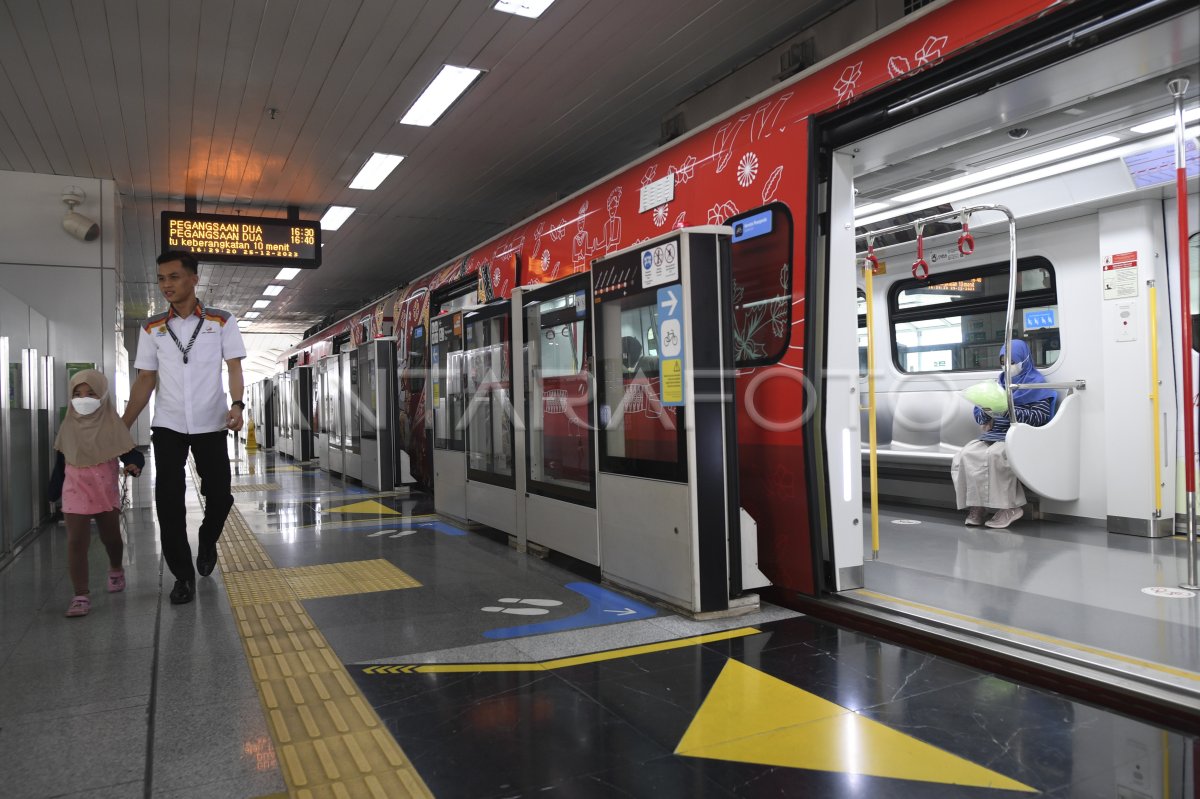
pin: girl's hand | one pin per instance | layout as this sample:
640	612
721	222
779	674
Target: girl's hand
133	469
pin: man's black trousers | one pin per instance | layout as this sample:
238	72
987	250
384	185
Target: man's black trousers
212	463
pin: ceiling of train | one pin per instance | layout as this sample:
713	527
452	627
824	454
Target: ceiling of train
255	105
1101	93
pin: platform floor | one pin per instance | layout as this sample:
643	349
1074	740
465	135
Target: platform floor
350	643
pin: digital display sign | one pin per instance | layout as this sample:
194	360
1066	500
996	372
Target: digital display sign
231	239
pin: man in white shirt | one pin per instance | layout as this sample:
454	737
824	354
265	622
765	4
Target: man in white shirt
180	353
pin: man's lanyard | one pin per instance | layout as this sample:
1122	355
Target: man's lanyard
182	349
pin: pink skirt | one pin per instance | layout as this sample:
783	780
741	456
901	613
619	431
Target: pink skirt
88	490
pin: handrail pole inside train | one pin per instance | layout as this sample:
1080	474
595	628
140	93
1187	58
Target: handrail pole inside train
1177	88
1012	309
1012	269
869	264
1154	399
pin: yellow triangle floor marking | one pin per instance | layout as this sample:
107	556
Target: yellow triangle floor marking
370	506
752	717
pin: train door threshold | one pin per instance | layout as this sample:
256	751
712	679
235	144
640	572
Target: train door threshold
1159	694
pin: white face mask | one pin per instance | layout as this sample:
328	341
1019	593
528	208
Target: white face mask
1014	370
85	405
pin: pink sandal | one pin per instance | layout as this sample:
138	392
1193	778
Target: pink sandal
116	580
80	606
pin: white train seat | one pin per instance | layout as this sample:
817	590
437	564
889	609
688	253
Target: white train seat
922	430
1046	459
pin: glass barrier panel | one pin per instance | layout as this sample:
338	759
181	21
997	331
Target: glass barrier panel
488	358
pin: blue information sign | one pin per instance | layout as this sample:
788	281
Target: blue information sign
1041	318
670	344
757	225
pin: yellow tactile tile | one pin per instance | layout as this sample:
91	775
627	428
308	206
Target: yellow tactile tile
246	488
249	587
329	740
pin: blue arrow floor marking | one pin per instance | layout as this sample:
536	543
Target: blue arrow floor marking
604	607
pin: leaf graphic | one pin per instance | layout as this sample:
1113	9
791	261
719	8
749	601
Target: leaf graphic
772	185
776	110
679	223
760	121
723	142
898	65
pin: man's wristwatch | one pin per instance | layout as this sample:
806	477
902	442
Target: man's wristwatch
238	403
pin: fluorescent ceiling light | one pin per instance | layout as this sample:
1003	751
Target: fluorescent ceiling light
244	323
523	8
261	303
1154	126
1006	169
869	208
251	314
441	94
287	273
378	167
1037	174
273	291
336	216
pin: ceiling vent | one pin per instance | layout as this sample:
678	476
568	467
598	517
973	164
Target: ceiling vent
797	57
672	127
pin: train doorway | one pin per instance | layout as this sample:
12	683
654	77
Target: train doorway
1079	559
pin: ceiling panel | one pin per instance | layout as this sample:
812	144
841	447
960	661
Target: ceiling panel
171	98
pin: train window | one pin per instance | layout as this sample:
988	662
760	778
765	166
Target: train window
955	322
761	261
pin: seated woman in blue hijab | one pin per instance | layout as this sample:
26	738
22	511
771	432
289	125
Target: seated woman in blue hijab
983	480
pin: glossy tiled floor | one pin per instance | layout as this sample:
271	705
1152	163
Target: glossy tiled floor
500	675
1071	582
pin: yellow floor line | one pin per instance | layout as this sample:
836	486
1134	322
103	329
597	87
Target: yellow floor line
1048	639
331	743
560	663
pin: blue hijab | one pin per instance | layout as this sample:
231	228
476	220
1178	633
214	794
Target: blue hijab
1029	374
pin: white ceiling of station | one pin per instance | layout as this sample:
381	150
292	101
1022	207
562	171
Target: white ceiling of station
254	105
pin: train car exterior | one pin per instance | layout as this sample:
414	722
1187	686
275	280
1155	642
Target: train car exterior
759	156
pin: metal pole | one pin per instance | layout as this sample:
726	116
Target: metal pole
1008	316
872	433
1177	88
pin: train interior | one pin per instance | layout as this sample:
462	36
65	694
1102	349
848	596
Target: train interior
1087	167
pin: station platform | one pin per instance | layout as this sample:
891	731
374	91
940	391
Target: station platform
352	643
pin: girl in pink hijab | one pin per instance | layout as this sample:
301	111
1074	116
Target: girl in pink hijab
91	439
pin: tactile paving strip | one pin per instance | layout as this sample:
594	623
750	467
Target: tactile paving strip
331	743
314	582
247	488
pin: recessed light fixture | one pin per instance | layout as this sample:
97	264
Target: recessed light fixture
1050	170
1162	123
1019	165
288	272
440	95
251	314
523	8
869	208
336	216
261	303
272	291
244	323
377	168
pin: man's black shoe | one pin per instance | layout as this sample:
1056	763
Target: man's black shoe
206	559
183	592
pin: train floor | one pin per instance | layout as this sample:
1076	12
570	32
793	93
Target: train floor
350	643
1069	588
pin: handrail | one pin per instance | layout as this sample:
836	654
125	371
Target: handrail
1012	270
1069	385
1154	400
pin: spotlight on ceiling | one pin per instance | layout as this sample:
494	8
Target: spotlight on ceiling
74	223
